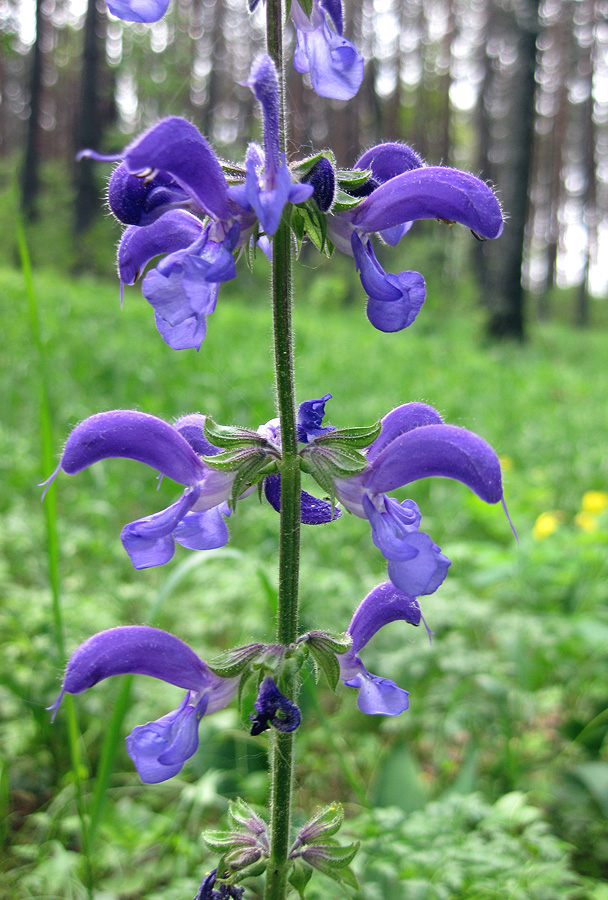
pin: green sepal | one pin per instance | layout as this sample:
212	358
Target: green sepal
307	7
250	871
326	463
242	684
219	841
302	167
334	861
337	642
270	660
360	436
344	201
230	436
241	814
294	659
301	874
353	178
327	661
307	219
251	470
234	662
233	172
326	822
321	470
240	858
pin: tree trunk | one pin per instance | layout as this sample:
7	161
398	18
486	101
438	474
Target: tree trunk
30	175
507	313
90	122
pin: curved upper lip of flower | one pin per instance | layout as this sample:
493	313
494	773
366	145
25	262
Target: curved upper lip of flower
430	192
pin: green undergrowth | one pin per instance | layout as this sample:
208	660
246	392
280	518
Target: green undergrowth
495	782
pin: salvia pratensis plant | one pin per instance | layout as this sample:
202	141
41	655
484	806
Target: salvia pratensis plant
195	215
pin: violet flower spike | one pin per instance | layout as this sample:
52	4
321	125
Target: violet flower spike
377	695
159	749
334	64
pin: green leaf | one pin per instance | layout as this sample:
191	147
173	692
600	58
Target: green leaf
233	172
300	876
594	775
234	662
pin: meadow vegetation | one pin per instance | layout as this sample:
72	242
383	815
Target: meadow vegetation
495	783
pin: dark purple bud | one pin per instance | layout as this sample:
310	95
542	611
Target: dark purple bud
323	180
273	708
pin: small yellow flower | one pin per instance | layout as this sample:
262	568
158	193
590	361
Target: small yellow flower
585	521
506	463
594	502
546	524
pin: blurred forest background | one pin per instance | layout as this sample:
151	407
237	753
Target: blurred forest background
494	784
515	91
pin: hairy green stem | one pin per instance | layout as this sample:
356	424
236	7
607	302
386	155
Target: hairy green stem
282	754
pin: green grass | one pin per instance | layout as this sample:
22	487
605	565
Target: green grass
509	697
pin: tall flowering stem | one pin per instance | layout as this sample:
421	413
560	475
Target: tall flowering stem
282	754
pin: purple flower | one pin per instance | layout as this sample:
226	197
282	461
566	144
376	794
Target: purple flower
171	191
401	189
333	63
384	604
197	519
138	10
415	443
273	708
159	749
269	193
